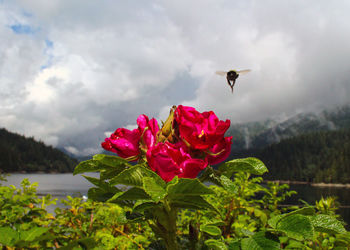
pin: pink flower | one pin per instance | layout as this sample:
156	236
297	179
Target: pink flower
220	151
148	130
200	130
170	160
124	142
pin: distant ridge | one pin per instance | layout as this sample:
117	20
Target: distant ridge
310	147
21	154
264	133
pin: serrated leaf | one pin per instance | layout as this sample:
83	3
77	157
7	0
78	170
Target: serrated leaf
228	185
8	236
98	194
110	160
215	244
251	165
33	233
296	226
88	166
134	177
210	229
155	191
142	206
260	241
327	224
304	211
108	174
191	202
191	187
134	216
133	193
102	184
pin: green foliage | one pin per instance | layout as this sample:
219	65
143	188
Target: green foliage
132	208
26	223
18	153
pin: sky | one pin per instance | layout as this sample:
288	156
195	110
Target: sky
71	72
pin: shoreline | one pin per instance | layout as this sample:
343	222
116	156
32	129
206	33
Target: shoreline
320	184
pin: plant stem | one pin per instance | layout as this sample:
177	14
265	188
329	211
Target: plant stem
170	234
165	225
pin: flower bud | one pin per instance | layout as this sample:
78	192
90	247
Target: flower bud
166	132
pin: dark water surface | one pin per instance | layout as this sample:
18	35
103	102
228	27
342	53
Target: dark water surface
310	194
61	185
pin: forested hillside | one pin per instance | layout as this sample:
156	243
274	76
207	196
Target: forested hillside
18	153
322	156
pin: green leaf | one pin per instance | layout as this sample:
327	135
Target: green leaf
110	160
102	184
228	185
33	233
88	166
8	236
210	175
293	244
260	241
215	244
155	191
251	165
191	187
108	174
191	202
134	177
212	230
304	211
98	194
133	193
327	224
296	226
144	205
101	162
85	243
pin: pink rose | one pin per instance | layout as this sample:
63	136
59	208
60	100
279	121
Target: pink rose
123	142
169	160
222	149
148	130
200	130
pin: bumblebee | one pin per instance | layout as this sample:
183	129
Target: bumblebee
232	75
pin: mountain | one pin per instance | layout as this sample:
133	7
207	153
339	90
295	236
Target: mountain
261	134
22	154
313	147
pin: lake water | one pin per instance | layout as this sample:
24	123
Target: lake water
61	185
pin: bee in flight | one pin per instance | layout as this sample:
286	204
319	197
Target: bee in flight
232	75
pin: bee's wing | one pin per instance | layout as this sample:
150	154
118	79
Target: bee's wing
243	71
222	73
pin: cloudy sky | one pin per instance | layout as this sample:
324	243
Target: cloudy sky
70	71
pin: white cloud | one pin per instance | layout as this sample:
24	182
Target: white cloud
92	67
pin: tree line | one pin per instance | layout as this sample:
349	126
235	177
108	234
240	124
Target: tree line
21	154
322	156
